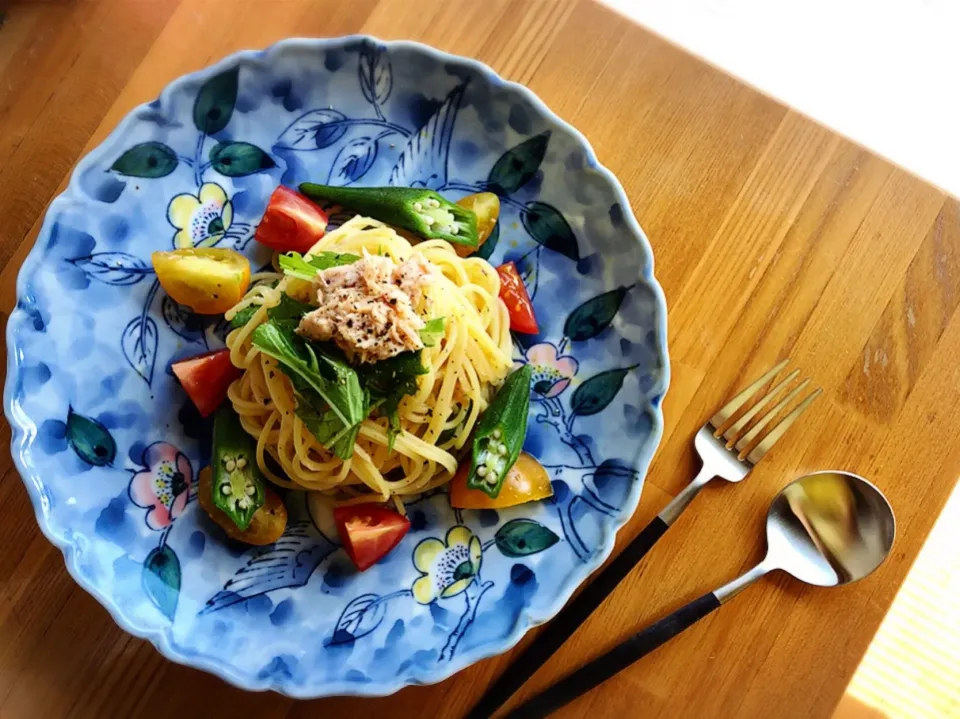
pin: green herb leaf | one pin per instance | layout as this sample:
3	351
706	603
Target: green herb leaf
395	375
328	428
388	382
289	309
243	316
334	380
391	409
306	268
432	332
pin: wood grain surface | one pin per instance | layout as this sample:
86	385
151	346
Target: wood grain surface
773	237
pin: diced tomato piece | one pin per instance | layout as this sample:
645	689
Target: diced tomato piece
206	379
515	297
369	532
291	223
526	481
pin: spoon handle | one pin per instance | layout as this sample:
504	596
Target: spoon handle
579	609
616	660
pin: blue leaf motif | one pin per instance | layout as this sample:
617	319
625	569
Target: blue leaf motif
314	130
139	343
423	162
595	315
597	392
360	617
92	442
353	161
113	268
547	226
161	579
215	102
522	537
376	75
288	562
181	320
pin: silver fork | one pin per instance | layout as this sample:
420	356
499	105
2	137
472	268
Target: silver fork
726	450
729	445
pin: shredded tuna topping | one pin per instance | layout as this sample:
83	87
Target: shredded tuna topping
367	308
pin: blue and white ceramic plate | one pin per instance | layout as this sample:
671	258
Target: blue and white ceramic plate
110	448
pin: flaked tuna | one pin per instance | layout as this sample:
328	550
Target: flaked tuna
368	308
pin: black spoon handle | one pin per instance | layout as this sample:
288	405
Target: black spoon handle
616	660
567	621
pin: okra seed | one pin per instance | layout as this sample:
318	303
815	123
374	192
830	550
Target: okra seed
455	230
225	489
241	463
418	207
251	490
497	434
433	203
230	465
482	471
244	503
427	220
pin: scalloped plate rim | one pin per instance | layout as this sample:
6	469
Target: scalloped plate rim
24	430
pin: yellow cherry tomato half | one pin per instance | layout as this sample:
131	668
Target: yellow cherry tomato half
208	280
486	206
527	481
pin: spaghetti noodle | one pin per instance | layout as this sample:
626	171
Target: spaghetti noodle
462	372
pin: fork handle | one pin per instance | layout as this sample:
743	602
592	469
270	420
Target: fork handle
567	621
580	607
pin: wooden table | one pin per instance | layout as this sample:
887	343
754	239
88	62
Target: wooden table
773	237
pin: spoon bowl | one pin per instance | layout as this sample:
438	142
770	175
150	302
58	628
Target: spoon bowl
825	528
829	528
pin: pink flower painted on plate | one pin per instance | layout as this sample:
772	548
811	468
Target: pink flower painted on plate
552	372
163	485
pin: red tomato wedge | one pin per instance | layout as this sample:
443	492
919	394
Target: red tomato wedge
206	378
369	532
291	223
515	297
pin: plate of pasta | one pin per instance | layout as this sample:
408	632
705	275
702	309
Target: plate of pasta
337	367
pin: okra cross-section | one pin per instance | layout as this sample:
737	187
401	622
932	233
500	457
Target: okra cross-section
500	432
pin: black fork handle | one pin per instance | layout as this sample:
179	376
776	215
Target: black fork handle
567	621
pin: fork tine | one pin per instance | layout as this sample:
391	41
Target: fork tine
728	410
755	431
731	434
758	452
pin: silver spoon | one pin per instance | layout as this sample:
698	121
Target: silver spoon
826	529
